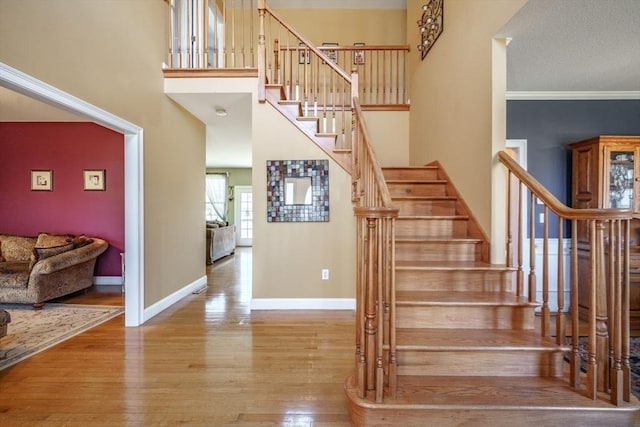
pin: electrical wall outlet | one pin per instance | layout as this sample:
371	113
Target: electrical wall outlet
325	274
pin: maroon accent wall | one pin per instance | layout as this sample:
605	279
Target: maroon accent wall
66	149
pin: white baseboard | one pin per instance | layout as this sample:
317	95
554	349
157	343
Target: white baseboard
169	300
108	280
303	304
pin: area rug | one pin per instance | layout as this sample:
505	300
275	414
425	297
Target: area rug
32	331
634	361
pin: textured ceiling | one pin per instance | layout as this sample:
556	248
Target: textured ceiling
574	45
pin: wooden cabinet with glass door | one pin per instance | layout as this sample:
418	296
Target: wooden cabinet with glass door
605	174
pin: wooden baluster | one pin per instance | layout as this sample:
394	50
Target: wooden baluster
560	317
602	332
545	273
242	47
626	369
393	384
262	53
574	370
520	272
397	77
532	249
172	33
251	33
332	91
592	363
233	34
370	306
381	302
508	231
616	252
276	61
361	363
225	26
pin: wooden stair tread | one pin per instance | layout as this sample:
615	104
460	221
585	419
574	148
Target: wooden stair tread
451	217
288	102
491	393
452	240
471	298
474	340
410	168
423	198
416	181
451	265
307	118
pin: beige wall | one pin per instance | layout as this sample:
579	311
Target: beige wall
348	26
237	176
451	96
389	132
109	53
288	257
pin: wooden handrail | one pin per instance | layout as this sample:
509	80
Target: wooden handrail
552	202
377	170
308	44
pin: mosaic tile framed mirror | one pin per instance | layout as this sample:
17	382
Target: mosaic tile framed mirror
297	191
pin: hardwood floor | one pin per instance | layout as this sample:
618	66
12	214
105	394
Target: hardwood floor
207	360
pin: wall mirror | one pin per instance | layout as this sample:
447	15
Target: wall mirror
297	190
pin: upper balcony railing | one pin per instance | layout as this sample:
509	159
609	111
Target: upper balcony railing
225	34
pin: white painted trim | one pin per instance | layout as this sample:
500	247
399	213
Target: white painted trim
303	304
107	280
169	300
577	95
134	191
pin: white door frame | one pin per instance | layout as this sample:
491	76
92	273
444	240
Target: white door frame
20	82
236	191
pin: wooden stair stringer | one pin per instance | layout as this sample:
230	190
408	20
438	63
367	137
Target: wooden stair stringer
292	111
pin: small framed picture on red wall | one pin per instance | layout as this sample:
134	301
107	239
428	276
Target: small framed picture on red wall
41	180
94	180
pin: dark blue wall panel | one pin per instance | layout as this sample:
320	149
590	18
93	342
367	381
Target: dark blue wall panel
548	126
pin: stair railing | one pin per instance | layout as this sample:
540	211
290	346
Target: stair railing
217	36
375	254
308	75
603	253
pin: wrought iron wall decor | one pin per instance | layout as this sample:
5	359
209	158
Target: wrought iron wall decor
281	208
430	24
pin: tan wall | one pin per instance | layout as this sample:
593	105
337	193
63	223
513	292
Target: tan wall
348	26
451	96
109	53
389	131
288	257
237	176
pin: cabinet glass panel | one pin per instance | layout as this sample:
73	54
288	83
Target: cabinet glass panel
621	178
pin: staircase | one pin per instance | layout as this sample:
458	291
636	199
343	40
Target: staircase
466	349
467	352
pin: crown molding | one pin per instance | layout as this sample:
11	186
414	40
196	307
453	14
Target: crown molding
570	95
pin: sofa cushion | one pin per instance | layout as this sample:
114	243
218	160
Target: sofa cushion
46	240
14	274
42	253
81	240
16	248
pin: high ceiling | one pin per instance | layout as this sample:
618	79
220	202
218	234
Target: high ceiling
590	48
